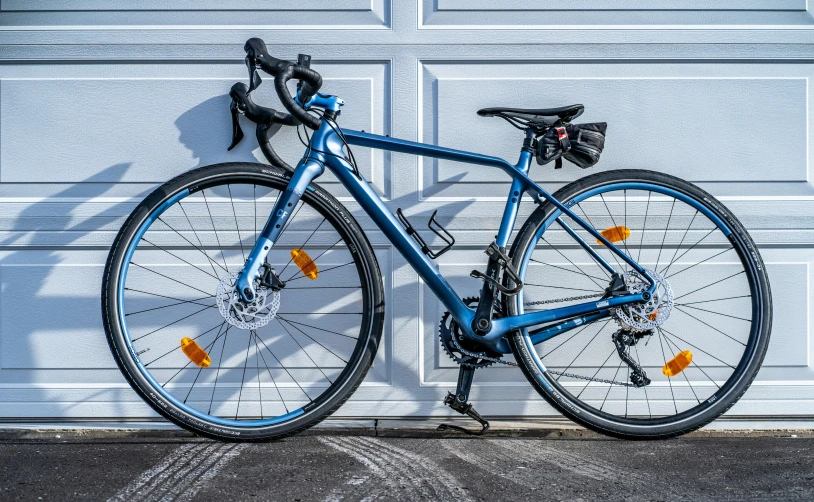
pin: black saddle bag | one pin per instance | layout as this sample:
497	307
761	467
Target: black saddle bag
581	144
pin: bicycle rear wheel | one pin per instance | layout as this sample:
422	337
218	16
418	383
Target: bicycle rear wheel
709	333
215	366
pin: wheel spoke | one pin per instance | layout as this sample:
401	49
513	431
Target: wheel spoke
583	274
243	378
220	247
664	238
179	346
312	339
200	246
257	337
301	360
303	246
196	267
710	326
168	277
714	312
175	322
321	329
672	260
669	380
182	302
708	285
700	262
322	271
314	260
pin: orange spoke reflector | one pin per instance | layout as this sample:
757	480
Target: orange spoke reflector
305	263
615	234
654	315
677	364
195	353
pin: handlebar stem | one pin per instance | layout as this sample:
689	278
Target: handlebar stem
324	101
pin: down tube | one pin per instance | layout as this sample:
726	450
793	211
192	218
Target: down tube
374	207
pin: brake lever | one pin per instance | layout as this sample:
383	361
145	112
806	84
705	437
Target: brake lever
237	132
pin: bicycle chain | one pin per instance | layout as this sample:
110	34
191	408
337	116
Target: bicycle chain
478	354
600	380
560	300
571	375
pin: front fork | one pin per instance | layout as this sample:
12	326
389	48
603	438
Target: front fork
304	174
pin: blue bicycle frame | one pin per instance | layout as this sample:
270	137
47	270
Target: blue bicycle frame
326	150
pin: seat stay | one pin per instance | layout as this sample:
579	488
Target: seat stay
521	183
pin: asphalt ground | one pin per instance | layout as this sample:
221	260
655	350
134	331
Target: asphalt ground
333	466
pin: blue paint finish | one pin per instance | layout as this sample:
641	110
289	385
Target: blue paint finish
566	326
326	150
303	175
324	101
513	202
122	322
413	148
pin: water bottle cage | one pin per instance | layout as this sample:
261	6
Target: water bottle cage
436	228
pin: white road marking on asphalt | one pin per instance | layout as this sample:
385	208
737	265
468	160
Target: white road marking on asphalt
397	469
180	474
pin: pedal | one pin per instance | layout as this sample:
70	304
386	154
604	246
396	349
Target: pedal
464	408
441	232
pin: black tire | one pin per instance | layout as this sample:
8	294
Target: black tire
706	411
358	246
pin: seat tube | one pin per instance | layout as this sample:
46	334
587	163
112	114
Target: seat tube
303	175
513	202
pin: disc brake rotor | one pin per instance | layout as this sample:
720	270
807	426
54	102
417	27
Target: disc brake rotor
647	315
244	315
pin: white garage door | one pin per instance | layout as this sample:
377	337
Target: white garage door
101	100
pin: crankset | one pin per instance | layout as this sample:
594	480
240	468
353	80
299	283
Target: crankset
463	350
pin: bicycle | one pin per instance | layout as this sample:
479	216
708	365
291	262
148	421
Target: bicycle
190	293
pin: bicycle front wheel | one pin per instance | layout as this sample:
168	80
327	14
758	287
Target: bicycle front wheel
697	345
212	364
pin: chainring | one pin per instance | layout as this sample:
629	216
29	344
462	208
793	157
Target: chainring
475	357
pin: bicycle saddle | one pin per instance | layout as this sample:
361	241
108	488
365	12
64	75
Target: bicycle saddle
540	116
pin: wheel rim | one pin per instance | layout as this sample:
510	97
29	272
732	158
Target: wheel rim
255	377
676	244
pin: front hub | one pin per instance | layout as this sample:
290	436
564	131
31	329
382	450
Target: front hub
242	314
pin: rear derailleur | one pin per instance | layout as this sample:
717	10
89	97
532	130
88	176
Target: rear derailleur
623	339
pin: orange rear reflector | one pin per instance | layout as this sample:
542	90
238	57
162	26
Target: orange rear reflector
677	364
615	234
305	263
195	353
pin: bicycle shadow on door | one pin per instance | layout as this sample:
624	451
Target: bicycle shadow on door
47	242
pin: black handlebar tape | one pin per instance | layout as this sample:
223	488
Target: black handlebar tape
312	81
264	118
258	53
